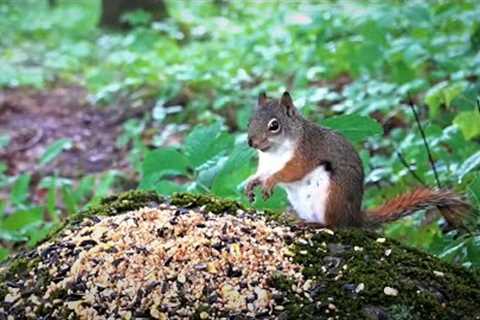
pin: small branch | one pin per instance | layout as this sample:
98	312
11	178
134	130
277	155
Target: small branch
427	147
407	166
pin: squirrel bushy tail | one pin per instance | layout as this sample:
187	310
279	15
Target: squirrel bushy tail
451	205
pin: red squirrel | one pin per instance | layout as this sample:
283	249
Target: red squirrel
322	173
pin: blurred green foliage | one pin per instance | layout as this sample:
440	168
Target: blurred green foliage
344	61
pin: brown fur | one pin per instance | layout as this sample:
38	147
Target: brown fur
316	146
451	205
294	170
340	210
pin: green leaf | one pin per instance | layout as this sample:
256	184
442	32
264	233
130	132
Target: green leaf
236	169
204	143
469	165
54	150
69	200
434	98
443	93
36	233
12	236
469	124
167	187
22	218
354	127
474	190
4	252
278	201
210	169
106	182
52	200
19	191
453	91
84	188
161	162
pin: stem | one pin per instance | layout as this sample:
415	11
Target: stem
413	173
427	147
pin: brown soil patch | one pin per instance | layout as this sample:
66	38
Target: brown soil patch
34	120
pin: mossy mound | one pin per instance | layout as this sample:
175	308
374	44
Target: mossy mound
195	256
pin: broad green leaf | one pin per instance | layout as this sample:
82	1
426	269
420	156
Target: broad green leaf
54	150
469	124
278	200
468	165
210	169
22	218
46	182
434	98
454	250
452	91
354	127
166	187
12	236
161	162
36	233
236	169
443	93
204	143
19	191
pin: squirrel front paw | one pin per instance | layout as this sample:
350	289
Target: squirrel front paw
249	188
267	189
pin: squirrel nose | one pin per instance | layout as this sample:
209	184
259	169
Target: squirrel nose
250	142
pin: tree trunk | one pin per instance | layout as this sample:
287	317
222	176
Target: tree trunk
113	10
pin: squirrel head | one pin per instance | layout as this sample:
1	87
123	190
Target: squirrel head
274	121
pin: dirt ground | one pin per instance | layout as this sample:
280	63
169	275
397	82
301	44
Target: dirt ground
35	119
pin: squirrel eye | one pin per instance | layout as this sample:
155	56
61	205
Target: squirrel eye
273	125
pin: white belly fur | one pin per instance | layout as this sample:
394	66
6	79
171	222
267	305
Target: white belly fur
272	161
309	195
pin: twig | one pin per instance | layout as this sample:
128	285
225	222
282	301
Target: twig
413	173
39	134
427	147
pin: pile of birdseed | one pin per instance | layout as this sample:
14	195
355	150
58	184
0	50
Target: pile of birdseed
166	263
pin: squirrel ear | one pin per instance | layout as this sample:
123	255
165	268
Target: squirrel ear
287	102
262	99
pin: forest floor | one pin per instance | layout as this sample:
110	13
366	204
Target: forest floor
36	119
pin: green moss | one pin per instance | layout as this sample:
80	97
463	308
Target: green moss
337	264
211	203
123	202
18	266
3	288
432	288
